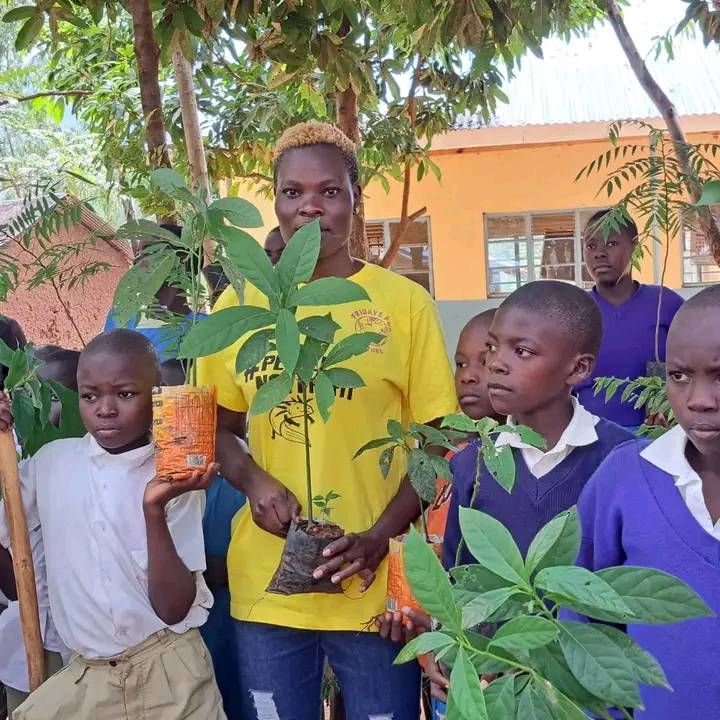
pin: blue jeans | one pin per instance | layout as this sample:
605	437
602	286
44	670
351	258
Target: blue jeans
281	672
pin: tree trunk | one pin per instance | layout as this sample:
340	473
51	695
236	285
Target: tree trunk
346	109
147	55
191	123
669	114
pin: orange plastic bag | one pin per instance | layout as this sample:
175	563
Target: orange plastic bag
399	594
183	429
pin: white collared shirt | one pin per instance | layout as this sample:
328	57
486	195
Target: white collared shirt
668	454
580	431
13	662
88	504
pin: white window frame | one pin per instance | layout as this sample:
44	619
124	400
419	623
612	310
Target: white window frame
528	215
699	283
387	239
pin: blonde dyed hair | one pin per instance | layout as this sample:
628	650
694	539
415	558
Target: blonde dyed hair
318	133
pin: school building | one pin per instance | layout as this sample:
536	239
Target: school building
507	208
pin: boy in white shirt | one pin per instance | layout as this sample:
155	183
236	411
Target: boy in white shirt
124	554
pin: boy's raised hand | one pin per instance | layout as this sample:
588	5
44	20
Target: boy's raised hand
158	493
6	418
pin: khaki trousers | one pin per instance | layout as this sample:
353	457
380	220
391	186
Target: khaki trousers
15	698
167	677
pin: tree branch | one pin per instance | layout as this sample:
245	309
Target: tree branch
669	114
48	93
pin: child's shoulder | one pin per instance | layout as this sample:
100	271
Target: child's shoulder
612	434
52	452
620	470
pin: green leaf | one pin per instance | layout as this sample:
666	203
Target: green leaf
561	707
19	13
647	669
253	350
29	31
324	395
311	352
429	433
299	257
287	338
167	180
320	327
422	474
239	212
17	371
344	378
386	458
710	194
532	705
525	633
478	579
249	259
441	467
373	445
271	394
500	463
350	347
23	413
146	230
526	434
395	430
222	329
422	644
654	597
459	421
6	354
481	607
574	586
557	543
465	689
500	698
327	291
599	665
429	582
491	544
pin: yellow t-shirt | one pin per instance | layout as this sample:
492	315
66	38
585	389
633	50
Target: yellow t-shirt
407	377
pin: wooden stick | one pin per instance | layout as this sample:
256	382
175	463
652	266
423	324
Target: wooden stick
22	560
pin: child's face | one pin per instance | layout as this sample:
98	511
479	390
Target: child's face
531	362
470	370
116	399
608	260
61	373
693	377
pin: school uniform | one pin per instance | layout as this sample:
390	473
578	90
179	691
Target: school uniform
628	343
130	664
644	507
546	483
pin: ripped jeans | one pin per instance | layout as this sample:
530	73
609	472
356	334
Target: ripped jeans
281	674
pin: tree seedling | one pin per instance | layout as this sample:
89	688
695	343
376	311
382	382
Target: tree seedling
311	365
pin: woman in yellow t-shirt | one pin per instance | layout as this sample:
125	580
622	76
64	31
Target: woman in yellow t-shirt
283	640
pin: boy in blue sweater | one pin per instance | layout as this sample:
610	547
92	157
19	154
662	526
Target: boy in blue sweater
542	342
658	506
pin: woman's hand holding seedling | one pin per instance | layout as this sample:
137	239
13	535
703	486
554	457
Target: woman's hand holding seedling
158	493
361	553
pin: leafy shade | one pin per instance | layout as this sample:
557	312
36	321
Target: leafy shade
556	669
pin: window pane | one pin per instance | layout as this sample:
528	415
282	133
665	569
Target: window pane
699	266
507	254
417	233
412	258
554	246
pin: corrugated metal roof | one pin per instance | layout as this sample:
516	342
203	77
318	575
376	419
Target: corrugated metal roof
590	80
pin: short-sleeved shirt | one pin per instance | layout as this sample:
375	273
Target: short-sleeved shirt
628	344
407	377
88	506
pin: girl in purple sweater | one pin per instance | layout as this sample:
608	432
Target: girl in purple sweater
658	506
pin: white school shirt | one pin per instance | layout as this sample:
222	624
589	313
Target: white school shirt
580	431
88	504
13	662
668	454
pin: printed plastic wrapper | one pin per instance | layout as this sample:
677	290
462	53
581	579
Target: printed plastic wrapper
399	594
183	429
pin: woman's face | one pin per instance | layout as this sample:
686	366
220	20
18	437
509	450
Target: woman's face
313	182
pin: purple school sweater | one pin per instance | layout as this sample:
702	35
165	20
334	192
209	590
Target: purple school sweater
632	514
628	343
533	501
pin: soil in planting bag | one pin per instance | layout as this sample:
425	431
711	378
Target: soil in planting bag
302	555
183	429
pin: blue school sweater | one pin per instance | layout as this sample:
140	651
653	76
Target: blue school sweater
632	514
533	501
